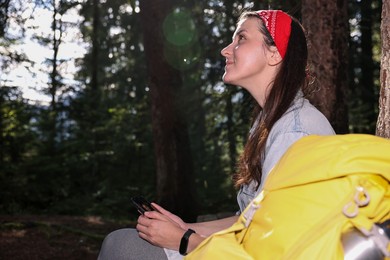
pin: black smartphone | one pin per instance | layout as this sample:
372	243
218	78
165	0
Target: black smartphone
142	204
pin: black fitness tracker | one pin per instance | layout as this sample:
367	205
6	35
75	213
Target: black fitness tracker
184	241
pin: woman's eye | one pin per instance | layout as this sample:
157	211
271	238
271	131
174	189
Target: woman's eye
241	37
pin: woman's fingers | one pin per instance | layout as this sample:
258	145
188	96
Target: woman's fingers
160	209
171	216
155	215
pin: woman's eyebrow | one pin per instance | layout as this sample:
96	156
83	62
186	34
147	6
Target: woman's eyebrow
238	32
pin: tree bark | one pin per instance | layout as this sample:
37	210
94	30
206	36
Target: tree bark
383	123
326	22
175	184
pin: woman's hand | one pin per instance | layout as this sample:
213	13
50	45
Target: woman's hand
164	229
173	217
159	229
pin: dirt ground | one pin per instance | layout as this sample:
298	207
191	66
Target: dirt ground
53	237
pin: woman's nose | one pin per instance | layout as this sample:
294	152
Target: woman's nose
226	51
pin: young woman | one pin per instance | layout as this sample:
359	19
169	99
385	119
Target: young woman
268	58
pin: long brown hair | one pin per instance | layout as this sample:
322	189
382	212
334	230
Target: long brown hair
288	81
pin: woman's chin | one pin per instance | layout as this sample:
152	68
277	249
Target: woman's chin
226	80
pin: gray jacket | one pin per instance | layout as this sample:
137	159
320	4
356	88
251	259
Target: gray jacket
300	120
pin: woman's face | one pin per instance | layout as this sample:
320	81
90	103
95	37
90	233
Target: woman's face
247	58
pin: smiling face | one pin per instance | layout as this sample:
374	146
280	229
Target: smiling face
249	62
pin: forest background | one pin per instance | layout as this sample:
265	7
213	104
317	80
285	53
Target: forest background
143	110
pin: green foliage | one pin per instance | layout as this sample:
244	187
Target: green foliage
17	143
101	152
364	63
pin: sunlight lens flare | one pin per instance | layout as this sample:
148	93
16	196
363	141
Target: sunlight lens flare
181	50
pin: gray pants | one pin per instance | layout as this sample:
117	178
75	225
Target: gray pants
126	244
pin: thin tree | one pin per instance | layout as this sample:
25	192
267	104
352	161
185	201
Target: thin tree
4	5
94	88
57	35
383	123
326	22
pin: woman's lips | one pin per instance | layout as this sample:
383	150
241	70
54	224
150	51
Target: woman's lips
228	63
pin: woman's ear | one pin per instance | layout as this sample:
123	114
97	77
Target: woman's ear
274	57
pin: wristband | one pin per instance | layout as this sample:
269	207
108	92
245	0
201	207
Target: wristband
184	241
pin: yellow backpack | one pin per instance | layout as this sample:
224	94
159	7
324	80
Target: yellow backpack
323	187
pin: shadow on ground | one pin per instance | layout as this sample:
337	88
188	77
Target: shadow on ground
53	237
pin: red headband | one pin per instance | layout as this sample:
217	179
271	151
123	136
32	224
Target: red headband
278	24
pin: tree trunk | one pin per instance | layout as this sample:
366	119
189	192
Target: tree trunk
94	88
231	135
57	31
326	22
383	123
4	5
229	109
2	127
175	185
